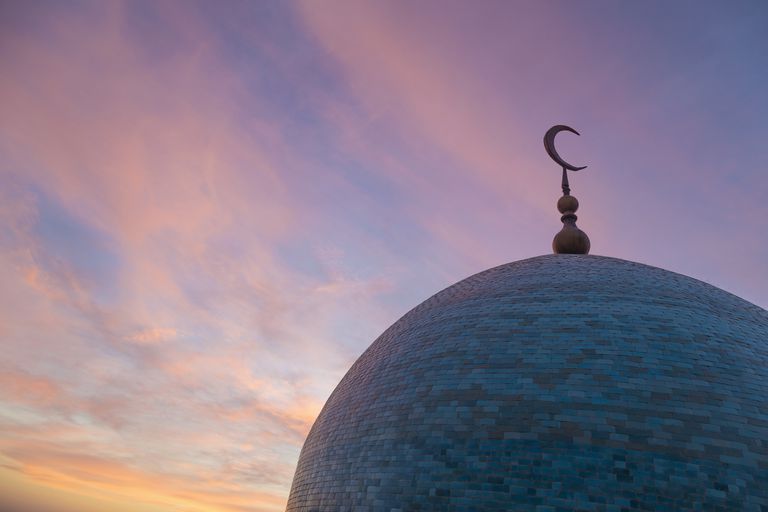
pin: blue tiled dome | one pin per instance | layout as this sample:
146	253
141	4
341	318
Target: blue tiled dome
563	382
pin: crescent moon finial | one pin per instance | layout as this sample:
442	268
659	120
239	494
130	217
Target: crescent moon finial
549	145
570	239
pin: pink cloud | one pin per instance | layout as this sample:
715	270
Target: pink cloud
158	160
153	335
191	257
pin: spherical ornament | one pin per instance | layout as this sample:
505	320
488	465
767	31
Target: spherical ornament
571	240
567	204
562	382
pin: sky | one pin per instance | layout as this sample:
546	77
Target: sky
208	210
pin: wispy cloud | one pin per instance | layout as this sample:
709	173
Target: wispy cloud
158	343
207	212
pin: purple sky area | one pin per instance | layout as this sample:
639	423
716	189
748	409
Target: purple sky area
208	210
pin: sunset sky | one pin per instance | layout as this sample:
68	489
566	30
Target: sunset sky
209	209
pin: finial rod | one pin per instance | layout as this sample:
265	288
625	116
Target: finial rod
566	188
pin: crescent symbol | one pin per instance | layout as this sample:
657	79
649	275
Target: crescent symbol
549	145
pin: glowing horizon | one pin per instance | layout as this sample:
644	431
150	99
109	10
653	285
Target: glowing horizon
209	210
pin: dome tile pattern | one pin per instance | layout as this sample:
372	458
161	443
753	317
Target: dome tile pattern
562	382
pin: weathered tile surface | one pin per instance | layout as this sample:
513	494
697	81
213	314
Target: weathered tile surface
556	383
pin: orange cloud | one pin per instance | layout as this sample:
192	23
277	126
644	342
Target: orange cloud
21	387
117	483
154	335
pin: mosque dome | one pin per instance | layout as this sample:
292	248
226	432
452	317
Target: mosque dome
561	382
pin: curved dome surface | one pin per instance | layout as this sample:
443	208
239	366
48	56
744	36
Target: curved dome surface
562	382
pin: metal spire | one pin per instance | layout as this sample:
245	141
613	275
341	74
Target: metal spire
570	239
